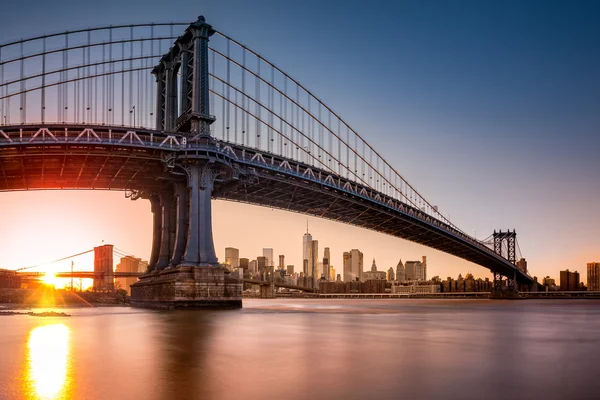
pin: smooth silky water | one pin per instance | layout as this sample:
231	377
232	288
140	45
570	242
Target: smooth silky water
309	349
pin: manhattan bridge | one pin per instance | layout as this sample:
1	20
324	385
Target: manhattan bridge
179	114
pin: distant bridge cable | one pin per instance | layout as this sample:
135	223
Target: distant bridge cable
55	261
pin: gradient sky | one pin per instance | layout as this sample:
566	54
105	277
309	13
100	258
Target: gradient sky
490	109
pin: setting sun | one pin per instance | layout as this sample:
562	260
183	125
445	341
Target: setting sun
50	279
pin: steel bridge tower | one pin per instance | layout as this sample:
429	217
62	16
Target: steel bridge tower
505	241
183	249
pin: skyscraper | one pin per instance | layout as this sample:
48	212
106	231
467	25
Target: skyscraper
593	276
232	258
281	262
326	264
313	259
353	265
569	280
268	254
390	275
415	271
306	239
400	272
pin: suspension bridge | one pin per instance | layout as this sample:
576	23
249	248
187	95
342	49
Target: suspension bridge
179	114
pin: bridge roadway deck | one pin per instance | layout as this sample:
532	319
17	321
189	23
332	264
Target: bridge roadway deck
118	158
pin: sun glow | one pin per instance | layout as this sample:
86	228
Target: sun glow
48	362
50	279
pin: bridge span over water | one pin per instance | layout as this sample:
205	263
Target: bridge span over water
178	121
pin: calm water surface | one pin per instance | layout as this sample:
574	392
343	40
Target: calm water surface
309	349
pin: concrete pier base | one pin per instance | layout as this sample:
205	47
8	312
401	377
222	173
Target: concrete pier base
188	287
267	291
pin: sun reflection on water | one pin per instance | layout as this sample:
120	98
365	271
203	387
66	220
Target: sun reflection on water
48	362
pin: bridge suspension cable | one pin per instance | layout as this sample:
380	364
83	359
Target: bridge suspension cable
259	105
54	261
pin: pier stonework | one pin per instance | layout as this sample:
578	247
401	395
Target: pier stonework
188	287
184	271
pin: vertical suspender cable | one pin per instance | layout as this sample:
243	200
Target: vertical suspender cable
139	88
104	97
228	85
297	135
95	100
141	97
111	80
123	85
244	116
2	110
131	77
89	71
43	110
155	90
23	94
65	109
257	105
283	112
235	118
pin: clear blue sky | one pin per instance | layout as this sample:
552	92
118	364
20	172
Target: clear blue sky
491	109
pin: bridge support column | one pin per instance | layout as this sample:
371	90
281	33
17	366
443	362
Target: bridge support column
504	293
267	291
198	281
166	202
156	231
181	193
200	246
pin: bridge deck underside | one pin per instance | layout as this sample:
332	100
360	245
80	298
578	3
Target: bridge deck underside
66	166
86	166
295	194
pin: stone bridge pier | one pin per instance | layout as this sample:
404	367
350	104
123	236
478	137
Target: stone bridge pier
184	271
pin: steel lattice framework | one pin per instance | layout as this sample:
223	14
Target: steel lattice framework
82	109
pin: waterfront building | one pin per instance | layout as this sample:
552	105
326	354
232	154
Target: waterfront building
130	264
232	258
373	274
390	275
411	289
569	280
549	283
400	272
415	271
353	265
593	276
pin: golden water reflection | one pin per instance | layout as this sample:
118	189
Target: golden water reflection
48	362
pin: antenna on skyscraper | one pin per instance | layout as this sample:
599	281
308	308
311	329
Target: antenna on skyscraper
306	225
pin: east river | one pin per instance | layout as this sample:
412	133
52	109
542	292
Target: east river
309	349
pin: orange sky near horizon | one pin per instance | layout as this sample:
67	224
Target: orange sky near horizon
41	226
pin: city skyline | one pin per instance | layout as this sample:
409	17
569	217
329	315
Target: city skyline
444	128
